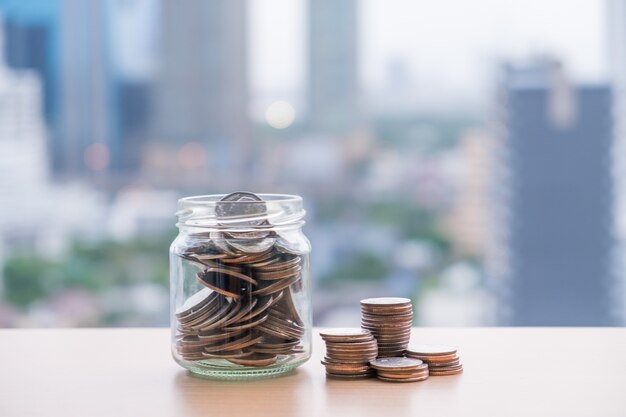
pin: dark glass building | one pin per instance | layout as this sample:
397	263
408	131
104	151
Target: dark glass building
555	196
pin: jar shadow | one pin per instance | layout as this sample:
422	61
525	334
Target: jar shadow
281	395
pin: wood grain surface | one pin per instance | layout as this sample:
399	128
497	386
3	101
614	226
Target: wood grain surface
129	372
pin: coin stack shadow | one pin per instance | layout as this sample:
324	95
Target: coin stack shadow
389	319
245	314
400	369
348	353
441	360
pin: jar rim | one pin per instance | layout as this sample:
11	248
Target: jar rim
210	199
279	211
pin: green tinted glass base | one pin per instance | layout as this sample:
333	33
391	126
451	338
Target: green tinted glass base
219	369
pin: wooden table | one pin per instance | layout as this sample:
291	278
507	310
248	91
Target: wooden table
129	372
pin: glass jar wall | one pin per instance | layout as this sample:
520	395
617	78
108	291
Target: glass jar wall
240	285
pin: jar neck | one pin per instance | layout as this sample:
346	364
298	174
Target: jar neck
274	212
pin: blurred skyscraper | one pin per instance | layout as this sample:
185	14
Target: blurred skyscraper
201	91
617	48
332	74
31	41
95	98
132	31
553	260
87	131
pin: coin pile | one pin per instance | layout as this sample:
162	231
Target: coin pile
348	353
441	360
245	313
389	319
400	369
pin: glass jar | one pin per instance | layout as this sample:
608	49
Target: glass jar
240	285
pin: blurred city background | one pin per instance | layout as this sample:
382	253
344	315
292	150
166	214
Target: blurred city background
469	155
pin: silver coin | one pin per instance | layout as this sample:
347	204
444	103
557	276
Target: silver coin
285	246
251	245
244	205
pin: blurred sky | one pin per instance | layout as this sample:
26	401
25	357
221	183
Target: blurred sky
447	43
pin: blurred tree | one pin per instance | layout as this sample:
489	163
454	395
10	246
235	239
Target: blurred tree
24	280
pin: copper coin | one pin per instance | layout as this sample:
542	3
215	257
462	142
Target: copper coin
270	329
389	327
206	310
195	302
393	320
276	286
277	345
232	273
402	376
223	310
274	351
390	354
271	300
264	263
189	348
247	325
346	361
436	365
360	351
234	310
345	335
447	368
387	311
417	379
191	341
258	359
215	336
340	354
395	341
340	376
354	373
387	318
204	280
285	326
251	258
291	307
387	314
227	354
210	256
278	274
418	369
240	343
245	310
201	316
277	265
433	359
192	356
352	358
443	373
352	346
352	367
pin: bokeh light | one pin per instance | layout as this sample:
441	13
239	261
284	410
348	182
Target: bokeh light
191	156
280	115
97	156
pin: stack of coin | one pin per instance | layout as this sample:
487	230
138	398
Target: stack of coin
348	352
400	369
389	319
441	360
245	314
